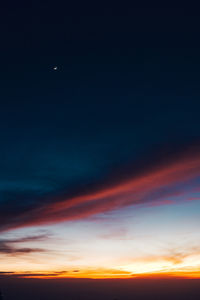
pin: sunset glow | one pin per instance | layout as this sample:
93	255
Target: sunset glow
131	241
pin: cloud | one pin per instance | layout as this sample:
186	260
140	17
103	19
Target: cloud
8	246
28	275
34	275
150	185
177	255
25	239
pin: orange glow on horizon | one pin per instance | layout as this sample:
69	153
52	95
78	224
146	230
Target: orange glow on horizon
101	273
111	275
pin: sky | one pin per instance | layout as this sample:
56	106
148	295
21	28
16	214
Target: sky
100	148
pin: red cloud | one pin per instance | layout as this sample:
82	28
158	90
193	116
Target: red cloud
148	187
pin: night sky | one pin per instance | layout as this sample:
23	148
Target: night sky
100	146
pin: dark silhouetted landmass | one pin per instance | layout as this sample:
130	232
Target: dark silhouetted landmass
88	289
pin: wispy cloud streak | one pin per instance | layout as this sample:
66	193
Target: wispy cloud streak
8	246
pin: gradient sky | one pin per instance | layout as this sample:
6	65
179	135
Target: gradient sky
100	159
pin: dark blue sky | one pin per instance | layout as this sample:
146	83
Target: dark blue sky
127	83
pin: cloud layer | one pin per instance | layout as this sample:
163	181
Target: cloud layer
150	185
